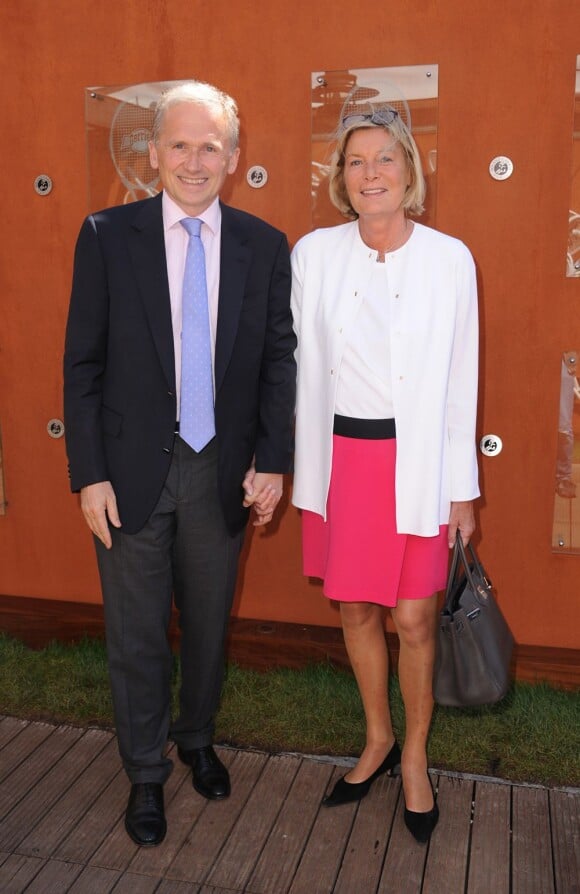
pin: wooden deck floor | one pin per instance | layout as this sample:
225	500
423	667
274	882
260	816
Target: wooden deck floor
63	796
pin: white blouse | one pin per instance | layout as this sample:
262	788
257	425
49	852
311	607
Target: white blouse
364	379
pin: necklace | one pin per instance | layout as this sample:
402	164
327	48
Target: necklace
397	243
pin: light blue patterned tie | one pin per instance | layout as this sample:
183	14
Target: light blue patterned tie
197	421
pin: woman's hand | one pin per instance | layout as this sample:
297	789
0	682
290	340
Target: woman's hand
462	519
263	491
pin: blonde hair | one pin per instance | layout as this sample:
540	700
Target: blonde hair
415	195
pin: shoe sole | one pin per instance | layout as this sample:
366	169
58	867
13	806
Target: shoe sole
145	843
210	797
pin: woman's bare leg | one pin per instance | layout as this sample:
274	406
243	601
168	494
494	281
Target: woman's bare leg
416	623
364	636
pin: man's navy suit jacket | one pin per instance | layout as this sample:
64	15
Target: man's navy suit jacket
119	367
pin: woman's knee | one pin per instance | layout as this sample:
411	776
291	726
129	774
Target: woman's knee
360	614
416	621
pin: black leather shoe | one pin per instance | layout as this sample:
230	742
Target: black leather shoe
145	814
421	825
209	776
344	792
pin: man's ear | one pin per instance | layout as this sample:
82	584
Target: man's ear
233	162
153	161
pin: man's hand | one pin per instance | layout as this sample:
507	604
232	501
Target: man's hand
98	502
263	491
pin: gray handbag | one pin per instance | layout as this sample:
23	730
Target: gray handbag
474	643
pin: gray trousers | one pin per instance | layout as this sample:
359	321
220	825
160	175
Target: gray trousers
184	551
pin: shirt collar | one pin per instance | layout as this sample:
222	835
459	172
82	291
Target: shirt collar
173	214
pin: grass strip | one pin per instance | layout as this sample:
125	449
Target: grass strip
532	736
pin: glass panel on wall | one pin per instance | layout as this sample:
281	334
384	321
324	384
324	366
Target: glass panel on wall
573	253
118	123
566	528
412	90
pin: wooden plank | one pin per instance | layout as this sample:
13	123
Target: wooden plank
404	864
202	834
325	847
69	810
182	812
264	644
206	839
531	844
565	812
117	850
38	621
447	858
365	850
244	845
97	822
489	861
54	877
95	880
56	781
131	883
10	727
539	664
171	886
35	768
16	872
32	735
277	864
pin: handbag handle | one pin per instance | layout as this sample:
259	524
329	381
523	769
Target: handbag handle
460	554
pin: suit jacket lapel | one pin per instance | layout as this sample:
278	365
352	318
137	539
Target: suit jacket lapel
147	249
234	265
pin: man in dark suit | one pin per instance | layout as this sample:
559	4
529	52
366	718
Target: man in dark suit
168	517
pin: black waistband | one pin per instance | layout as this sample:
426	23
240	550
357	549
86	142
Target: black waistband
371	429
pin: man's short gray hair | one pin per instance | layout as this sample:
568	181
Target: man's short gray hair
205	95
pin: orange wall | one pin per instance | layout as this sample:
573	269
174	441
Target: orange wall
506	80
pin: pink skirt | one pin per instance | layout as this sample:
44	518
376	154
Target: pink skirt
357	551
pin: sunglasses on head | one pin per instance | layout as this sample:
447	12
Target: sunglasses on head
381	116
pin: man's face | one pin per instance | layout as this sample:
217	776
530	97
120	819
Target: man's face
193	155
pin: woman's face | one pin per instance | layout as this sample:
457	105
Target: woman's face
376	174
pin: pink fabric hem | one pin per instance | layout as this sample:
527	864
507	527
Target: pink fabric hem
357	552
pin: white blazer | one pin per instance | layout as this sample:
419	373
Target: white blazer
432	297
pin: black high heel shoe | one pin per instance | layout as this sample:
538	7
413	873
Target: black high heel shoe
421	825
344	792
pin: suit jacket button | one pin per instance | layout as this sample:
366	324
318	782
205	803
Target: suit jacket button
167	450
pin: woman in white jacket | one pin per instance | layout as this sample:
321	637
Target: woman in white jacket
385	311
